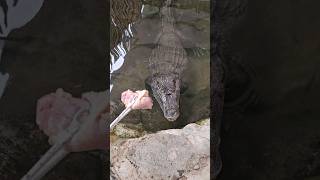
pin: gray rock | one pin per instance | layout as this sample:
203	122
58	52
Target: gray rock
169	154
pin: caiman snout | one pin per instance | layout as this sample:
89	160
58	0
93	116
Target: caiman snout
171	114
166	90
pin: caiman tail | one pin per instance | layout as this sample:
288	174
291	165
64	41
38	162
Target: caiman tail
167	17
166	64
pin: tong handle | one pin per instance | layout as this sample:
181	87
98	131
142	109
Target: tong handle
56	153
126	111
41	168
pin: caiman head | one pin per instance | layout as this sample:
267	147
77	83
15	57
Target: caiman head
166	90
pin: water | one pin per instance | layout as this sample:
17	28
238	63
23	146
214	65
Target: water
129	62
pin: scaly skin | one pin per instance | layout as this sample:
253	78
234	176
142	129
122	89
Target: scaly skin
166	64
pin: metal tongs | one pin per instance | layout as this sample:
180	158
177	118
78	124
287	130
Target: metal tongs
126	111
56	153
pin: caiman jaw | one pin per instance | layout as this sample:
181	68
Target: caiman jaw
171	114
166	90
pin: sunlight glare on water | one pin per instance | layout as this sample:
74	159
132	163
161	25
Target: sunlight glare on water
121	51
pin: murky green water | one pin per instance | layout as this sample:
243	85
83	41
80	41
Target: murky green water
129	63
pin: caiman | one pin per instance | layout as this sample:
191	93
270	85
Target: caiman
166	65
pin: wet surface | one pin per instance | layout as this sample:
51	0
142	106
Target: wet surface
62	47
192	25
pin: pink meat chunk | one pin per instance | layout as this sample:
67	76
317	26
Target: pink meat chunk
144	103
55	111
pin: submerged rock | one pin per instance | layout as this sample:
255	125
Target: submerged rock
129	130
169	154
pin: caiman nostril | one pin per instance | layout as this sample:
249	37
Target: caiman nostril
172	115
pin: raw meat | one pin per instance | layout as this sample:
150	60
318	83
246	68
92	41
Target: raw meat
56	111
144	103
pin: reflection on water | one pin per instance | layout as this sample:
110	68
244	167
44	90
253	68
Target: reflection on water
129	62
118	53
